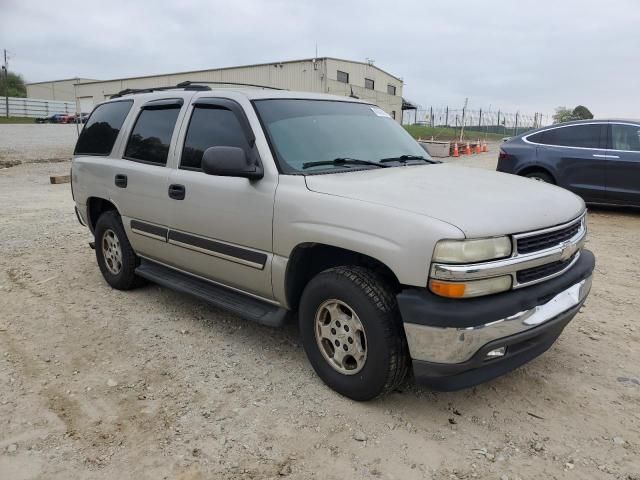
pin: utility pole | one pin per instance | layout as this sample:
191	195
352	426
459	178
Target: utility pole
5	67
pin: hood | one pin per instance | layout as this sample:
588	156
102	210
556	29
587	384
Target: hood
479	202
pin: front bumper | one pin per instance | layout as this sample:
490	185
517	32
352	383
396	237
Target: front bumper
449	340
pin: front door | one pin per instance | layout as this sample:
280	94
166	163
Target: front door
623	164
222	227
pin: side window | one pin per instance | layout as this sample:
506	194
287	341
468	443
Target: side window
537	137
369	84
585	136
151	135
100	132
625	137
210	127
391	89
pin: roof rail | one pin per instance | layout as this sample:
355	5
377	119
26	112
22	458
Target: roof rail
186	85
189	83
133	91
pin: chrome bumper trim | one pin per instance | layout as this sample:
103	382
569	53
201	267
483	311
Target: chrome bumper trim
457	345
515	263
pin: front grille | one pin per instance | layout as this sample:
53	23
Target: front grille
536	273
542	241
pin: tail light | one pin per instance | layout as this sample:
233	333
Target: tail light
504	155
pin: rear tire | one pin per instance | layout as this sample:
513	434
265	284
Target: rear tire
352	332
115	256
540	176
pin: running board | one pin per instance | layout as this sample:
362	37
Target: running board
243	305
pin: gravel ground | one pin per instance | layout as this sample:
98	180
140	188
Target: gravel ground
26	143
97	383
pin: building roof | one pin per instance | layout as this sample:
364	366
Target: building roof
79	79
240	66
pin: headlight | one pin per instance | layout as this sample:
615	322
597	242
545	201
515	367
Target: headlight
471	251
471	288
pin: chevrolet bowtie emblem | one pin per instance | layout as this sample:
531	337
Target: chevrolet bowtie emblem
568	249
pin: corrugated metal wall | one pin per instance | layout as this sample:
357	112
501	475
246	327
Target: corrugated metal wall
55	90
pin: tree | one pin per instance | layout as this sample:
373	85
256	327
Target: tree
582	113
15	82
563	114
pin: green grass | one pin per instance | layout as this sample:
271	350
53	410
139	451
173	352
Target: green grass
16	120
448	133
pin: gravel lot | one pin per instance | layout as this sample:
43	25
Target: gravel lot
97	383
22	143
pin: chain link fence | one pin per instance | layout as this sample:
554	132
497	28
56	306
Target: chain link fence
488	121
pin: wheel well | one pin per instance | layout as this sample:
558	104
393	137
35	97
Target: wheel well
536	168
307	260
95	207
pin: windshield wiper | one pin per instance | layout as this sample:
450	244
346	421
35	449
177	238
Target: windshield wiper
405	158
342	161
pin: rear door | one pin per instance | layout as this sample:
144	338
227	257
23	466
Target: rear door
578	155
141	176
623	163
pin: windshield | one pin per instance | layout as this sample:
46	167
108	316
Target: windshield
309	131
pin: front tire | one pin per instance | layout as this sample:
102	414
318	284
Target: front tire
352	333
115	256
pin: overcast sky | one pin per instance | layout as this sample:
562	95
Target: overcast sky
521	55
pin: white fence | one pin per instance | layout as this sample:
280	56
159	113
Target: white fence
34	107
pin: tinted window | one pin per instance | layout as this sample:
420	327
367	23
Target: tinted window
151	135
585	136
625	137
101	131
537	137
211	127
343	77
391	90
368	84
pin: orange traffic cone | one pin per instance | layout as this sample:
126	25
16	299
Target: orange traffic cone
456	152
478	147
467	149
485	148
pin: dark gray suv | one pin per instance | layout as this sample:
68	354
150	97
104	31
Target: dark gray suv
597	159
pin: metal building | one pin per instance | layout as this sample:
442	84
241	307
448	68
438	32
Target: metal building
323	75
59	90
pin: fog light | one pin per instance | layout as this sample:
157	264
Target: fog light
498	352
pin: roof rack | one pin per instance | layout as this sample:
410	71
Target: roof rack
186	85
189	83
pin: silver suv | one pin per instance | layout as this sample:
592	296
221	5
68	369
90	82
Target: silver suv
270	203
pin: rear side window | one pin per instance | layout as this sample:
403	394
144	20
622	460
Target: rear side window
211	127
151	136
585	136
625	137
100	132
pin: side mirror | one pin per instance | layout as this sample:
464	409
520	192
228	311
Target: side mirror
230	162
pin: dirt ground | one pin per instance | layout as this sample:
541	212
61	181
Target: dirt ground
149	384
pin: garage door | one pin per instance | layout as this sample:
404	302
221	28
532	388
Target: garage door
86	104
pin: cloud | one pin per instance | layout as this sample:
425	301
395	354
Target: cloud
521	55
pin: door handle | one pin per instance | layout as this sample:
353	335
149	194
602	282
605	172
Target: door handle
177	192
121	180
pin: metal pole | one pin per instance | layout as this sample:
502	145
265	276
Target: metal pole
6	84
446	118
498	129
431	116
517	123
480	121
464	110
